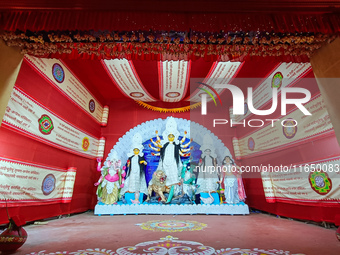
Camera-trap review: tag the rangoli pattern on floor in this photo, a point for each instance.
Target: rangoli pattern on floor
(170, 245)
(173, 225)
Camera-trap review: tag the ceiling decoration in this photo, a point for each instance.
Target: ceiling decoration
(95, 76)
(173, 80)
(174, 77)
(125, 77)
(106, 44)
(153, 45)
(198, 15)
(220, 73)
(169, 110)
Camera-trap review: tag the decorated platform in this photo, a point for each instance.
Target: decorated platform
(173, 173)
(146, 208)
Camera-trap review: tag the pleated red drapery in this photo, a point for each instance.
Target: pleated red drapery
(48, 20)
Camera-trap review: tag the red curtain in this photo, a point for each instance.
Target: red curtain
(132, 21)
(17, 146)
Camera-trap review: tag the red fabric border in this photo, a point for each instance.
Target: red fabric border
(132, 21)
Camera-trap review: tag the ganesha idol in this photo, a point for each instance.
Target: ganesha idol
(111, 181)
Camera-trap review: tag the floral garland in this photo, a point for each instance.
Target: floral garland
(167, 110)
(181, 45)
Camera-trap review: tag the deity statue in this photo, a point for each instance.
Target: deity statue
(135, 176)
(207, 178)
(170, 150)
(157, 184)
(188, 178)
(111, 180)
(231, 179)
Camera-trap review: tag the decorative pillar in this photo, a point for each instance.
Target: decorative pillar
(10, 63)
(105, 116)
(326, 68)
(237, 150)
(101, 148)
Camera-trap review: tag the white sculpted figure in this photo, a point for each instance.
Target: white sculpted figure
(170, 150)
(207, 177)
(135, 173)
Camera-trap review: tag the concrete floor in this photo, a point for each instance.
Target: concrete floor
(263, 231)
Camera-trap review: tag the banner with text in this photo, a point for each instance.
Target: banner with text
(58, 74)
(316, 182)
(29, 117)
(285, 75)
(125, 77)
(220, 73)
(289, 130)
(23, 183)
(173, 79)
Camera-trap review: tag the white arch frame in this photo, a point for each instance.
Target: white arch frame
(147, 130)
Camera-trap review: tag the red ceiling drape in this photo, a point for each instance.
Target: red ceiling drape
(47, 20)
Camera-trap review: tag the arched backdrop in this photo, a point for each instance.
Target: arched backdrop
(147, 130)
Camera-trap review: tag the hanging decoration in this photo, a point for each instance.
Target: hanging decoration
(167, 110)
(269, 138)
(105, 116)
(28, 183)
(306, 183)
(29, 117)
(122, 72)
(283, 75)
(220, 73)
(173, 79)
(167, 46)
(61, 77)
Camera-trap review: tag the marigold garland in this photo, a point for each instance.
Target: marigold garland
(182, 46)
(166, 110)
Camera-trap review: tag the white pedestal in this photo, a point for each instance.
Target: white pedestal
(124, 209)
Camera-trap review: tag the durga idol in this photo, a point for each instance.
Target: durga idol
(170, 150)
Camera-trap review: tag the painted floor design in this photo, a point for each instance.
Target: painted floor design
(170, 245)
(248, 235)
(172, 225)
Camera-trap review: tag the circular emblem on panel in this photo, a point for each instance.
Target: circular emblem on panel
(136, 94)
(45, 124)
(290, 131)
(173, 225)
(92, 106)
(277, 80)
(251, 144)
(48, 184)
(172, 94)
(85, 144)
(58, 73)
(320, 182)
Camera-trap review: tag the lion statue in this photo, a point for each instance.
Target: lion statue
(157, 185)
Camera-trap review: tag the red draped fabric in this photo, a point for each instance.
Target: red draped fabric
(16, 146)
(131, 21)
